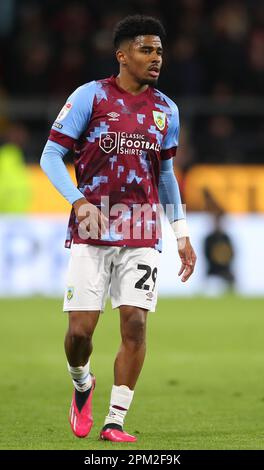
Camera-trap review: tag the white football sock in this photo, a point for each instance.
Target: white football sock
(81, 377)
(121, 397)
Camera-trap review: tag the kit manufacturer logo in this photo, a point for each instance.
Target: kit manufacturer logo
(113, 116)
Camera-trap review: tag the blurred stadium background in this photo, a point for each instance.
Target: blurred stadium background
(214, 70)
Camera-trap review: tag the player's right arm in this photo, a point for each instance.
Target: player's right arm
(67, 128)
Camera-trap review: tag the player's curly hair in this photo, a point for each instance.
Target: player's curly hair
(137, 25)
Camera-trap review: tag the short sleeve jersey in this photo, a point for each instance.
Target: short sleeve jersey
(119, 140)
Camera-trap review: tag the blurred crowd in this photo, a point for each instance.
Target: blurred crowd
(214, 49)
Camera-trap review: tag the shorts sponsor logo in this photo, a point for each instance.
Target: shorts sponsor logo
(63, 113)
(159, 119)
(70, 291)
(108, 141)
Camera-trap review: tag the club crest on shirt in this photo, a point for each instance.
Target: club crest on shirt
(108, 141)
(70, 291)
(159, 119)
(63, 113)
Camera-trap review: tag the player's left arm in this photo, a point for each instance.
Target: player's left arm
(169, 194)
(170, 198)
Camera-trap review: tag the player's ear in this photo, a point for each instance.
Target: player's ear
(121, 57)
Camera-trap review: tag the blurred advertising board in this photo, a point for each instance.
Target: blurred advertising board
(33, 260)
(237, 189)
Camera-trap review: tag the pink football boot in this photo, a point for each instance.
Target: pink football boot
(81, 419)
(115, 433)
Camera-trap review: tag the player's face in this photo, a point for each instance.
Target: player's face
(144, 59)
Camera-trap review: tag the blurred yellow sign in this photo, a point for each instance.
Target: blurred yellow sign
(234, 188)
(45, 197)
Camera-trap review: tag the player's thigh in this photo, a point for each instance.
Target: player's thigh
(134, 278)
(88, 278)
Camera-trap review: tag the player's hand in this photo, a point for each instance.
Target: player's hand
(91, 220)
(188, 258)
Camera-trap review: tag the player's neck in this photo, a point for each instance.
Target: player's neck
(127, 83)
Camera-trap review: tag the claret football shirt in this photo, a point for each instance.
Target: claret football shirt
(118, 140)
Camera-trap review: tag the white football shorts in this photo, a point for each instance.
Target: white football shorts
(131, 274)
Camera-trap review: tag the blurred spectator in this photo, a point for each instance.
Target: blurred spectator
(15, 193)
(255, 76)
(226, 59)
(69, 72)
(184, 75)
(35, 66)
(219, 253)
(192, 17)
(220, 143)
(72, 24)
(103, 63)
(30, 19)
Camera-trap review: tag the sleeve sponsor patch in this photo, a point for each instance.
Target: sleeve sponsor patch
(63, 113)
(58, 125)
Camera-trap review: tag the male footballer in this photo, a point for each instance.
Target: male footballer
(124, 135)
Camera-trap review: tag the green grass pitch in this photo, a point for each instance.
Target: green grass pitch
(202, 385)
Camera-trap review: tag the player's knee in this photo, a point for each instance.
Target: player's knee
(79, 333)
(134, 332)
(80, 330)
